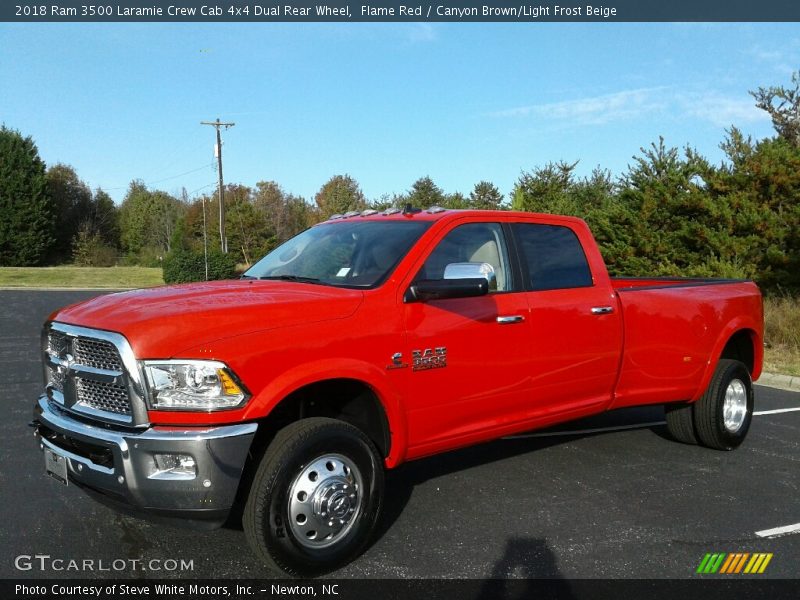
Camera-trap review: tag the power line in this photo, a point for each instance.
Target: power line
(201, 188)
(180, 174)
(147, 183)
(223, 242)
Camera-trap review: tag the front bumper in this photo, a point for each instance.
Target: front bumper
(118, 466)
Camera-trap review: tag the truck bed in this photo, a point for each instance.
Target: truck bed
(673, 331)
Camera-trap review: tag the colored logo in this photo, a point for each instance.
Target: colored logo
(735, 562)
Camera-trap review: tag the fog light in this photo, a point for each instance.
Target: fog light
(173, 466)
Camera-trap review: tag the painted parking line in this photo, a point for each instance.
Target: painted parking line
(776, 411)
(756, 413)
(779, 531)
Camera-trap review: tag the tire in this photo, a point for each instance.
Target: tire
(680, 422)
(723, 414)
(316, 472)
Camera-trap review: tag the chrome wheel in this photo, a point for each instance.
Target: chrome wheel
(325, 500)
(734, 407)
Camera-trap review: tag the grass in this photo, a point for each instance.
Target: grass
(782, 335)
(80, 277)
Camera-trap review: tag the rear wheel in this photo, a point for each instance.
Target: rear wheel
(315, 498)
(723, 414)
(680, 422)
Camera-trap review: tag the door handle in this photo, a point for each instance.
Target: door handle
(508, 319)
(602, 310)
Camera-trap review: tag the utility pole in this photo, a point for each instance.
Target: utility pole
(223, 242)
(205, 238)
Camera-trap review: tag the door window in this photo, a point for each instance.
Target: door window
(473, 242)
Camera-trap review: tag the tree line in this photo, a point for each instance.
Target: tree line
(671, 213)
(50, 216)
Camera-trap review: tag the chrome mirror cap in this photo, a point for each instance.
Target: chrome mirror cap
(472, 270)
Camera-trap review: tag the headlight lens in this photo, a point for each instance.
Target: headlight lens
(192, 385)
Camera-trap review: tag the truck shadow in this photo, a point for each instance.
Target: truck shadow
(400, 482)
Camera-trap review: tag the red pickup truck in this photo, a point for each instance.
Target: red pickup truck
(370, 340)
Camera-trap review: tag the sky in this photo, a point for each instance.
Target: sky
(384, 103)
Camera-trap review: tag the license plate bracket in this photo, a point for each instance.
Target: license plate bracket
(55, 465)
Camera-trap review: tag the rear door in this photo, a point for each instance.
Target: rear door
(575, 325)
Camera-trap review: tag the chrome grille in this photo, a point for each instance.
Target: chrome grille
(85, 373)
(56, 377)
(103, 396)
(57, 343)
(97, 354)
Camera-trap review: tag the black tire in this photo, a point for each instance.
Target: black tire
(680, 422)
(709, 410)
(268, 526)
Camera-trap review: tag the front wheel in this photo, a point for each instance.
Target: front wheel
(723, 414)
(315, 499)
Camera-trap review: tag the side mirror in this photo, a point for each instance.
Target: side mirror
(461, 280)
(472, 270)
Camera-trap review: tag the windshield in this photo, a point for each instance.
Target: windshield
(345, 253)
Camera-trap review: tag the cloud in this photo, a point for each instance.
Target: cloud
(720, 110)
(767, 55)
(595, 110)
(714, 107)
(782, 60)
(421, 32)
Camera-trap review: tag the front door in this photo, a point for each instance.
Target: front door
(468, 357)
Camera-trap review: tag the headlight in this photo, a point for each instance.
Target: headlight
(192, 385)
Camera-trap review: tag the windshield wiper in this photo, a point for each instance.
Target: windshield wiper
(296, 278)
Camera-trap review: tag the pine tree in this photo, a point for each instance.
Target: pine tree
(425, 193)
(26, 211)
(485, 195)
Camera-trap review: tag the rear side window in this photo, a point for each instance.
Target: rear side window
(553, 257)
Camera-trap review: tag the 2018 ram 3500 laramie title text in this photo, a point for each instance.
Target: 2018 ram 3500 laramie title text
(366, 341)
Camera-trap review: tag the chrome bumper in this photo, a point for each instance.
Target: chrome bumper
(118, 466)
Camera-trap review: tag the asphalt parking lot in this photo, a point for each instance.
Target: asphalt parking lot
(619, 503)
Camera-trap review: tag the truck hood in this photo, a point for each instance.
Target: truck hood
(161, 322)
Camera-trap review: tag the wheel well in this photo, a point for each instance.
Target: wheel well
(348, 400)
(740, 347)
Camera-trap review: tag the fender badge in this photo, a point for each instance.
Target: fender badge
(397, 361)
(430, 358)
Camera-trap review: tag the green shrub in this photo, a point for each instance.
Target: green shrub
(89, 250)
(147, 256)
(183, 266)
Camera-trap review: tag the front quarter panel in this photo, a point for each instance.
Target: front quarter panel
(273, 364)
